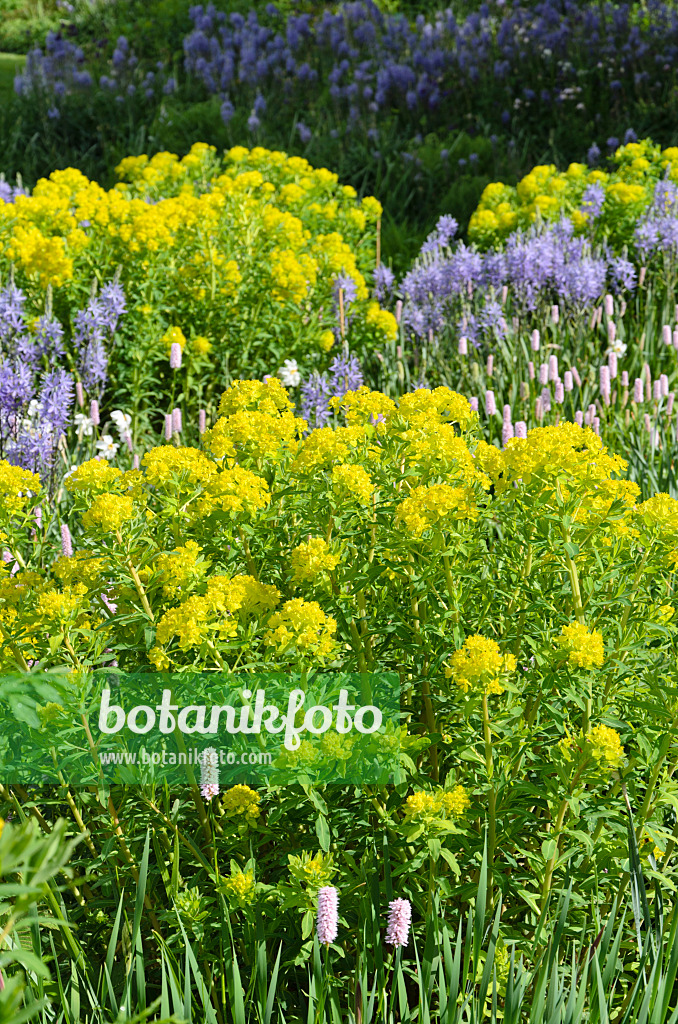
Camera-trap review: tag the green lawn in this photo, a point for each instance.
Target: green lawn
(10, 63)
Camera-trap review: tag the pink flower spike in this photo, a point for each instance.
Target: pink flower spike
(609, 305)
(463, 346)
(168, 426)
(490, 404)
(535, 341)
(577, 378)
(567, 380)
(490, 365)
(560, 393)
(521, 429)
(473, 402)
(666, 334)
(94, 412)
(327, 924)
(579, 417)
(555, 314)
(79, 394)
(638, 390)
(175, 356)
(66, 542)
(641, 276)
(670, 398)
(399, 918)
(543, 374)
(530, 370)
(399, 310)
(504, 294)
(625, 378)
(135, 462)
(553, 368)
(611, 332)
(202, 421)
(176, 421)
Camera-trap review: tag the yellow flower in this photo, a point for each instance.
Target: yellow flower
(93, 477)
(302, 625)
(16, 485)
(240, 887)
(584, 647)
(425, 805)
(606, 745)
(241, 802)
(173, 335)
(201, 346)
(326, 340)
(435, 506)
(108, 512)
(352, 483)
(61, 606)
(480, 664)
(661, 512)
(182, 468)
(311, 559)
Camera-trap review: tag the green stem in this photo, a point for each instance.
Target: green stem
(491, 801)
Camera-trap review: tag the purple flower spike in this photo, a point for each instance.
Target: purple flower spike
(399, 918)
(328, 914)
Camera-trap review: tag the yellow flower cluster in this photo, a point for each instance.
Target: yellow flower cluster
(660, 513)
(311, 559)
(302, 625)
(584, 647)
(93, 477)
(214, 614)
(424, 805)
(240, 887)
(16, 487)
(479, 664)
(182, 568)
(548, 194)
(242, 802)
(61, 606)
(436, 506)
(606, 745)
(256, 230)
(108, 512)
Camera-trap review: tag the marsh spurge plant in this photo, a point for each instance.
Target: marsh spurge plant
(525, 598)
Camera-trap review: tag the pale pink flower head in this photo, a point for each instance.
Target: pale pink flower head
(175, 356)
(399, 918)
(66, 542)
(328, 914)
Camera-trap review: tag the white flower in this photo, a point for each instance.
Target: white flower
(618, 347)
(107, 446)
(70, 472)
(33, 409)
(84, 425)
(289, 373)
(121, 421)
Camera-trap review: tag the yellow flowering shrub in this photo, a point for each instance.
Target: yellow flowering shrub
(546, 193)
(239, 256)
